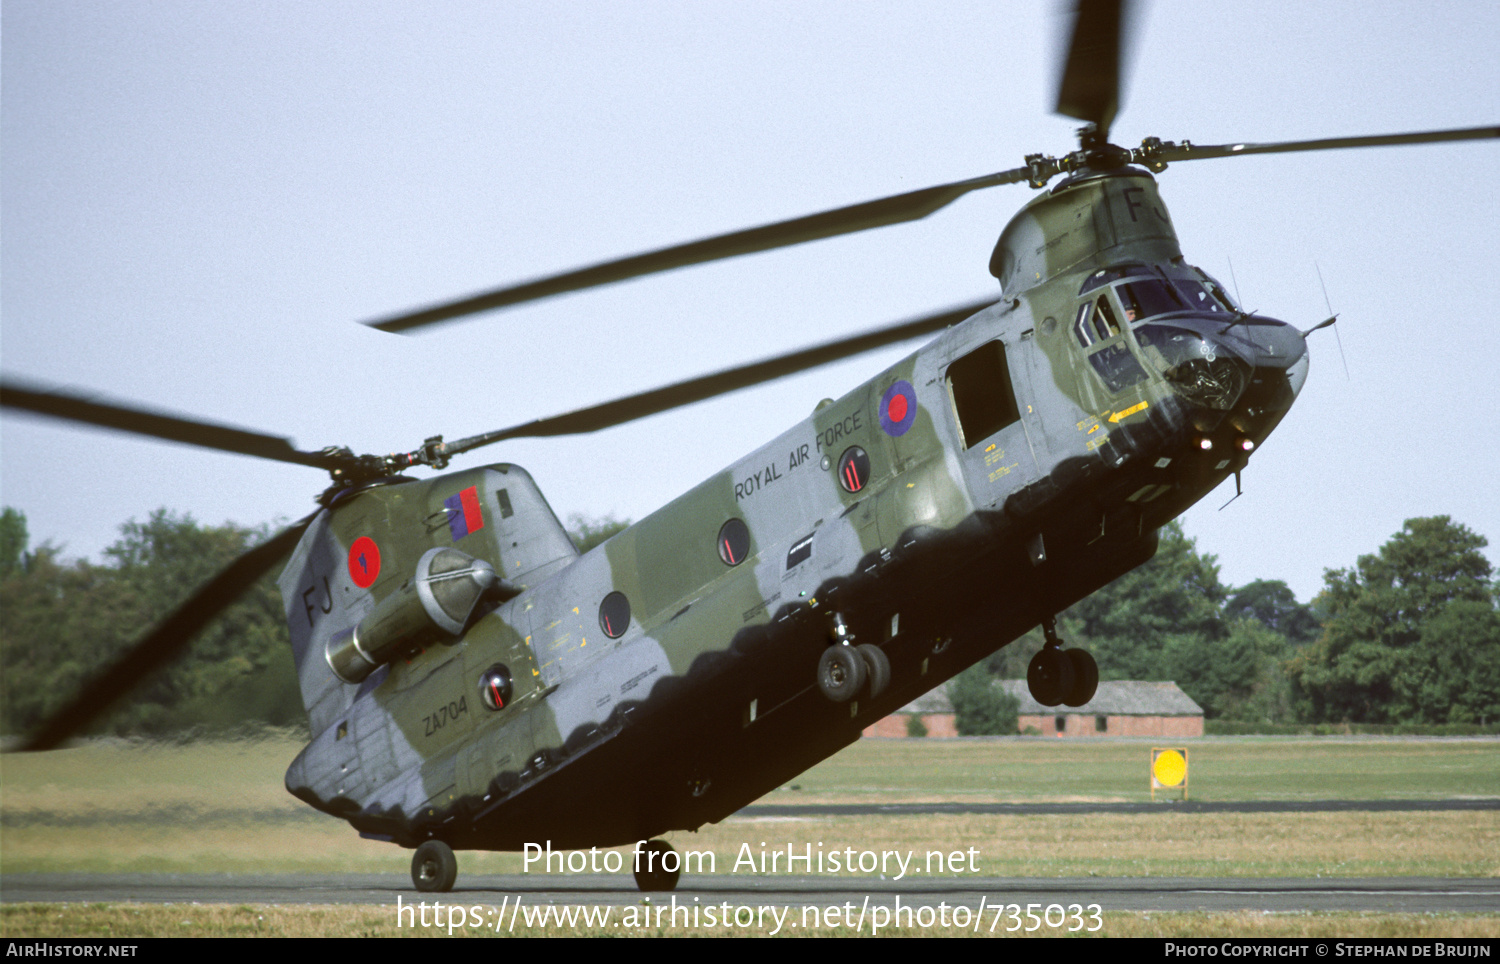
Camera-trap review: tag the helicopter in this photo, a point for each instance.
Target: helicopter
(861, 437)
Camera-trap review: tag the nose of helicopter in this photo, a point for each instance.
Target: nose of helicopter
(1252, 366)
(1278, 353)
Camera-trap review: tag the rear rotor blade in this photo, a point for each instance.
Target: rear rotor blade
(911, 206)
(1090, 86)
(1194, 152)
(74, 408)
(167, 641)
(629, 408)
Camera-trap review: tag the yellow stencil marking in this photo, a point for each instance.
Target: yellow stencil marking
(1137, 407)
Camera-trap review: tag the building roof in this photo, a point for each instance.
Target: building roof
(1118, 698)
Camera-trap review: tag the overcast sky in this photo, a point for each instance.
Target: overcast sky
(201, 200)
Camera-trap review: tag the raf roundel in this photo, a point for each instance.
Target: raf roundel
(364, 562)
(898, 408)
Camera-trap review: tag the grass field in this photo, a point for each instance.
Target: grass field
(220, 807)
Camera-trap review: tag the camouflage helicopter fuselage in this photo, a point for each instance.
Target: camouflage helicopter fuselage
(1020, 461)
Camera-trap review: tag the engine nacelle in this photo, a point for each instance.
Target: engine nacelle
(437, 602)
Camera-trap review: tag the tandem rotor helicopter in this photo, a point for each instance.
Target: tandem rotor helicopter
(472, 682)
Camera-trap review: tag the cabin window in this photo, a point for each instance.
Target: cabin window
(854, 469)
(800, 552)
(983, 398)
(614, 615)
(495, 687)
(734, 542)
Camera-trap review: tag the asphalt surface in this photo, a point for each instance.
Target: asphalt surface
(1385, 894)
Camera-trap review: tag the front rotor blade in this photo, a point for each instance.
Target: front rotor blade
(632, 407)
(75, 408)
(1090, 86)
(167, 641)
(911, 206)
(1194, 152)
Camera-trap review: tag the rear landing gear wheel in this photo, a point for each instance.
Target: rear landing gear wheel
(878, 665)
(1050, 676)
(1085, 677)
(434, 868)
(841, 673)
(657, 867)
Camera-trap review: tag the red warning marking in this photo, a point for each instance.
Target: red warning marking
(364, 562)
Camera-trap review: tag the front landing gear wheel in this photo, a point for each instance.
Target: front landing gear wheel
(657, 867)
(434, 868)
(841, 673)
(1085, 677)
(1049, 676)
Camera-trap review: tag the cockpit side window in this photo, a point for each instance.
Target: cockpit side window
(1097, 328)
(1217, 290)
(1081, 327)
(1104, 319)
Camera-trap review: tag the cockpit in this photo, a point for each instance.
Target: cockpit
(1115, 304)
(1142, 292)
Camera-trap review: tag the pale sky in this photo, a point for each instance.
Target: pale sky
(201, 200)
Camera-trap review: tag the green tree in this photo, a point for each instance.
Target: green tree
(12, 542)
(1464, 672)
(1411, 634)
(1172, 603)
(980, 707)
(1272, 603)
(588, 531)
(65, 623)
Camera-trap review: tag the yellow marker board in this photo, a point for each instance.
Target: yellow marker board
(1169, 770)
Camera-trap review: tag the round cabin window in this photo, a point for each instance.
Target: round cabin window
(614, 615)
(734, 542)
(495, 687)
(854, 469)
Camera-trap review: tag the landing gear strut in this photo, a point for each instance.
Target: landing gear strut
(1058, 676)
(846, 669)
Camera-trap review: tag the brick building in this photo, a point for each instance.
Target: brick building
(1123, 708)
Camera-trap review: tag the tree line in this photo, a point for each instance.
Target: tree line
(1408, 635)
